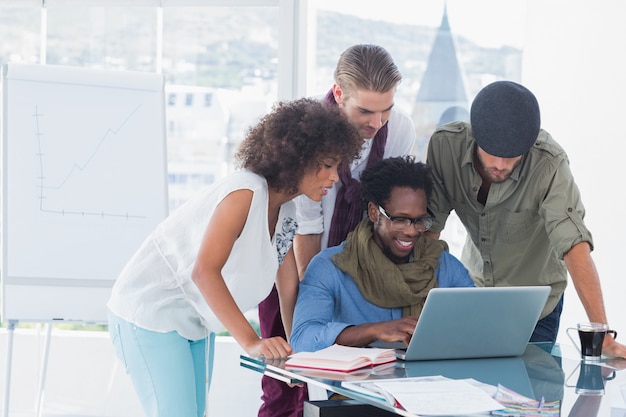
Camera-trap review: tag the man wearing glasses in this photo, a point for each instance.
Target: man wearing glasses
(366, 80)
(372, 287)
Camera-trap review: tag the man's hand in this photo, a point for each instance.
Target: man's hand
(613, 349)
(397, 330)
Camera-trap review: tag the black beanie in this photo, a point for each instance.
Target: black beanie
(505, 119)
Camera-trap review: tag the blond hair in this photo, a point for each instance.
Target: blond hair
(366, 67)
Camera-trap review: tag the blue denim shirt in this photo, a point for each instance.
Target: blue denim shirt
(329, 300)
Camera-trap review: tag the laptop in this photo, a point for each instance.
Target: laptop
(480, 322)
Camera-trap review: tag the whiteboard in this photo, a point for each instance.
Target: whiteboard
(84, 181)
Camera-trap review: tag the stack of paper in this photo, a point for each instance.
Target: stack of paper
(440, 396)
(433, 396)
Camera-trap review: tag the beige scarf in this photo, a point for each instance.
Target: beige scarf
(383, 282)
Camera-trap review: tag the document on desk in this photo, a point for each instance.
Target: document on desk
(431, 396)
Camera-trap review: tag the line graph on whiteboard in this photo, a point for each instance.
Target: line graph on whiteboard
(84, 183)
(84, 170)
(78, 178)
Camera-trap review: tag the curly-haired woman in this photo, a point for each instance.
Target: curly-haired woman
(219, 255)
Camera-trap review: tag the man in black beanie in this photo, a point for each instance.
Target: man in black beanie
(511, 186)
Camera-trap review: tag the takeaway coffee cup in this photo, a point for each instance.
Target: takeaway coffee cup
(591, 336)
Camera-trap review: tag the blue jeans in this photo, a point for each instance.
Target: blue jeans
(547, 328)
(169, 372)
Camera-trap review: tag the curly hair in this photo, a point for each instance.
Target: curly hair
(366, 67)
(294, 138)
(379, 179)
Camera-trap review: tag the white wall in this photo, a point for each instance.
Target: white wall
(84, 378)
(574, 63)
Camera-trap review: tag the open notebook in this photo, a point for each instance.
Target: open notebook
(483, 322)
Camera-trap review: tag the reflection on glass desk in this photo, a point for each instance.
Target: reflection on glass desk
(584, 389)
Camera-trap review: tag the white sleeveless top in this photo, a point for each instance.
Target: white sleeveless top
(155, 290)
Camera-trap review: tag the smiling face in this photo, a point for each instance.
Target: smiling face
(403, 202)
(318, 180)
(366, 110)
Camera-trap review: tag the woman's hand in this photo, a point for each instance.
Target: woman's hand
(271, 348)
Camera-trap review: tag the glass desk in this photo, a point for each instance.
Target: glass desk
(585, 390)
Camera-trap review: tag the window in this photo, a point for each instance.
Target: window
(107, 37)
(20, 29)
(224, 58)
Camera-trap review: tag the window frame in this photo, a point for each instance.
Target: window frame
(294, 21)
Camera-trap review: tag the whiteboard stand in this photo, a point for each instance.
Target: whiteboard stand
(42, 371)
(7, 378)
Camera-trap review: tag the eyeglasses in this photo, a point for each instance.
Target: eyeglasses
(400, 224)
